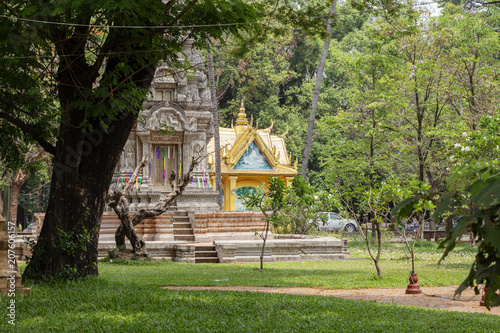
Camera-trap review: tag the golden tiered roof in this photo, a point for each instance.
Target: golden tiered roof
(235, 142)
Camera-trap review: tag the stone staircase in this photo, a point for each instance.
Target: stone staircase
(205, 253)
(183, 231)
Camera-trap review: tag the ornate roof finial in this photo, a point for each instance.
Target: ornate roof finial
(242, 116)
(284, 134)
(270, 127)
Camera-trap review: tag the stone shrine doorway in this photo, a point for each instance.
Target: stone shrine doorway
(166, 158)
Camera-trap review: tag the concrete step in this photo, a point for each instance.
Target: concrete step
(183, 231)
(205, 254)
(205, 248)
(182, 219)
(180, 213)
(182, 225)
(188, 238)
(206, 260)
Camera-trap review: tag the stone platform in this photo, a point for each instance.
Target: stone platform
(176, 235)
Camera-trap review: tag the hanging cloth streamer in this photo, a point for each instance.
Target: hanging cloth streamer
(204, 179)
(180, 163)
(164, 163)
(197, 179)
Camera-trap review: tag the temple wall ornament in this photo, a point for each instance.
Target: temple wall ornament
(170, 130)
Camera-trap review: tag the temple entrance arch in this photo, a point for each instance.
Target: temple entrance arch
(166, 160)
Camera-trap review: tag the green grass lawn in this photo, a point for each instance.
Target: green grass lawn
(127, 298)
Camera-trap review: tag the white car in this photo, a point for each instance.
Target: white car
(335, 222)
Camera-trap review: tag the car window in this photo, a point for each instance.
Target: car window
(334, 215)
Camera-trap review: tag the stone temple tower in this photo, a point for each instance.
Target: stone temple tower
(180, 103)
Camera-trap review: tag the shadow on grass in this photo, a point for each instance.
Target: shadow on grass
(101, 305)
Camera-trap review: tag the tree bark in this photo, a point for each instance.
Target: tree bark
(215, 114)
(379, 249)
(36, 154)
(76, 201)
(317, 89)
(83, 166)
(118, 201)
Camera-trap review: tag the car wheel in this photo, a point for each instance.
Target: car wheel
(350, 228)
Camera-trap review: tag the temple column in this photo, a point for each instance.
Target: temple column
(146, 172)
(212, 181)
(187, 153)
(232, 193)
(288, 181)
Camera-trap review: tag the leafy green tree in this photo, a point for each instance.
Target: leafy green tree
(473, 48)
(408, 101)
(305, 210)
(96, 59)
(269, 201)
(476, 176)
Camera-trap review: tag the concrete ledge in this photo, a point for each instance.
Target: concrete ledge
(156, 249)
(320, 248)
(184, 253)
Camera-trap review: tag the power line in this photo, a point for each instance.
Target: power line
(223, 46)
(101, 26)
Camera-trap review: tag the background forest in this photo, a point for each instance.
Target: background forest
(405, 100)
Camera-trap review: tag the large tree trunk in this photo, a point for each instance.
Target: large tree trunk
(317, 89)
(215, 114)
(77, 201)
(83, 166)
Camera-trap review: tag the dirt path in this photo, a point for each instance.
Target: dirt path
(443, 301)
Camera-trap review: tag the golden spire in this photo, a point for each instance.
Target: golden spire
(241, 121)
(242, 116)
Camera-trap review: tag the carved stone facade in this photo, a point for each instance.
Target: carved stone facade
(174, 126)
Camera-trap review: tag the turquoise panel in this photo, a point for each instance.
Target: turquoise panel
(253, 159)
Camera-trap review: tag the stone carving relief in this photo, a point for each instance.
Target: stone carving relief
(197, 149)
(210, 130)
(129, 156)
(196, 59)
(163, 75)
(205, 95)
(194, 92)
(170, 116)
(157, 136)
(172, 120)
